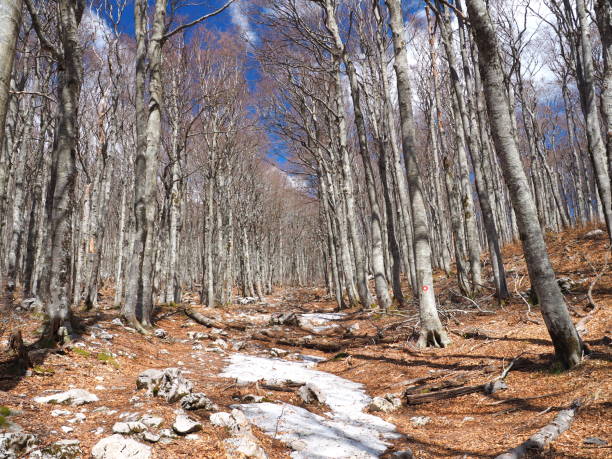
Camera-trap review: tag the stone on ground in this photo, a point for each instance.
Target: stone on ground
(74, 397)
(119, 447)
(15, 444)
(197, 401)
(184, 425)
(169, 383)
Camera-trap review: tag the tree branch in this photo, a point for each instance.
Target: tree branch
(197, 21)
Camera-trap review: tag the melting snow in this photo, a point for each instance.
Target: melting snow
(345, 432)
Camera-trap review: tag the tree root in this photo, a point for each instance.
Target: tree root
(543, 437)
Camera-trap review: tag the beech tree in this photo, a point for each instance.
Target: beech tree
(568, 346)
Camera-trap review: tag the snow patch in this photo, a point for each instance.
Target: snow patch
(344, 432)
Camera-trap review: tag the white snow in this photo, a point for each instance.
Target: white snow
(345, 432)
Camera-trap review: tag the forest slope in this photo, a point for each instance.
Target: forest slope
(376, 350)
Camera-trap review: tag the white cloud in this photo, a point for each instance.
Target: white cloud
(241, 21)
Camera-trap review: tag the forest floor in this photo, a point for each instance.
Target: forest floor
(373, 349)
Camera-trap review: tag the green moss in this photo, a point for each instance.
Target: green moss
(108, 358)
(340, 355)
(81, 352)
(3, 421)
(5, 411)
(40, 370)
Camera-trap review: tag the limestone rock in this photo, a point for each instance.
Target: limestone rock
(160, 333)
(310, 393)
(169, 383)
(405, 454)
(129, 427)
(285, 318)
(381, 404)
(152, 421)
(197, 401)
(244, 447)
(119, 447)
(15, 444)
(151, 437)
(74, 397)
(197, 336)
(420, 420)
(63, 449)
(184, 425)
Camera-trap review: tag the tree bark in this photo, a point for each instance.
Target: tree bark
(566, 341)
(432, 333)
(10, 22)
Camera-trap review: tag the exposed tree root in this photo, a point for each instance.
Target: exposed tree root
(543, 437)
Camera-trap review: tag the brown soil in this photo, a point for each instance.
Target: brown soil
(380, 355)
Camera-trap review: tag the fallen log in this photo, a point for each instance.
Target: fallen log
(487, 388)
(490, 387)
(211, 323)
(456, 381)
(300, 342)
(547, 434)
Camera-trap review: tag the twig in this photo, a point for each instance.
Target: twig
(581, 325)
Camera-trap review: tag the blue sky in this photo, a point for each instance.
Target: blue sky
(221, 22)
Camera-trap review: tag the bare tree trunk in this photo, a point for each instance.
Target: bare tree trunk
(63, 171)
(432, 333)
(120, 251)
(591, 114)
(603, 8)
(566, 341)
(462, 131)
(10, 21)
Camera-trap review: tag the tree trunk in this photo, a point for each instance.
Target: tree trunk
(432, 333)
(10, 21)
(63, 171)
(591, 114)
(568, 346)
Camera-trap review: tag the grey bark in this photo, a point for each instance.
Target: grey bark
(10, 21)
(566, 341)
(432, 333)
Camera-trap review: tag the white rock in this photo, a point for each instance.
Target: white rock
(15, 444)
(169, 383)
(67, 429)
(72, 397)
(152, 421)
(244, 446)
(160, 333)
(420, 420)
(151, 437)
(129, 427)
(310, 393)
(197, 401)
(63, 449)
(118, 447)
(381, 404)
(79, 417)
(192, 437)
(221, 419)
(197, 336)
(56, 413)
(184, 425)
